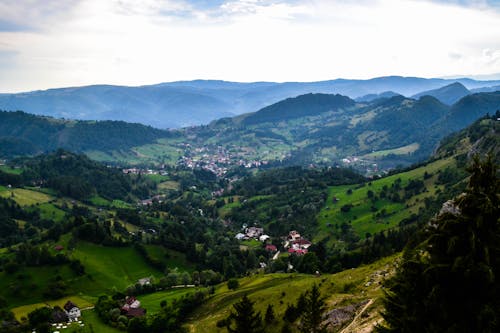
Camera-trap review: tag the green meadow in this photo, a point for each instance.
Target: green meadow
(367, 216)
(26, 197)
(280, 290)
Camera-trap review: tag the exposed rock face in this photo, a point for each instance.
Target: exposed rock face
(338, 317)
(450, 207)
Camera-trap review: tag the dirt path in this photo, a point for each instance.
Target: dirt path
(347, 329)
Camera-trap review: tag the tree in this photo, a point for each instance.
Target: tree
(311, 318)
(452, 282)
(269, 316)
(244, 317)
(233, 284)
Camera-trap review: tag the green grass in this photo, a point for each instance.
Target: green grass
(111, 267)
(151, 302)
(99, 201)
(396, 151)
(28, 284)
(22, 311)
(3, 188)
(157, 178)
(50, 212)
(26, 197)
(283, 289)
(168, 185)
(362, 219)
(172, 259)
(93, 324)
(120, 204)
(8, 169)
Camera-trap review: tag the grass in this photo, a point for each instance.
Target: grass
(169, 185)
(22, 311)
(99, 201)
(279, 290)
(396, 151)
(361, 217)
(111, 267)
(7, 169)
(93, 324)
(50, 212)
(27, 285)
(26, 197)
(151, 302)
(172, 259)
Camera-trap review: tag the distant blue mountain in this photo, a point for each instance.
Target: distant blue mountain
(186, 103)
(448, 94)
(373, 97)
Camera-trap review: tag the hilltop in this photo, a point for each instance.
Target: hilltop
(188, 103)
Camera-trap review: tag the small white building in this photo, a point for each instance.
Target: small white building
(263, 238)
(72, 310)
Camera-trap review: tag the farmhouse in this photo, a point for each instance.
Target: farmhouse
(132, 307)
(72, 310)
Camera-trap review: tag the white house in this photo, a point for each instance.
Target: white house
(72, 310)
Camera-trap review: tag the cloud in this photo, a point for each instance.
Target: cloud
(138, 42)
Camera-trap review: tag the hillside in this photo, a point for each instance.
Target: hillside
(26, 134)
(188, 103)
(96, 247)
(449, 94)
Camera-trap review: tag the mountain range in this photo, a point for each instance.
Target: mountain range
(187, 103)
(310, 128)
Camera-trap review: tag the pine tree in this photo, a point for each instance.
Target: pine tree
(312, 313)
(453, 283)
(244, 317)
(269, 316)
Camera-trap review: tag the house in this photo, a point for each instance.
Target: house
(302, 243)
(263, 238)
(254, 232)
(293, 235)
(131, 303)
(132, 307)
(58, 247)
(144, 281)
(271, 248)
(135, 312)
(240, 236)
(298, 252)
(72, 310)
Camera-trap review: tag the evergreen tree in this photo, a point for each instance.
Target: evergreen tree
(270, 316)
(244, 317)
(452, 284)
(312, 314)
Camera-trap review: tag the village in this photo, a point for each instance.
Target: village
(293, 243)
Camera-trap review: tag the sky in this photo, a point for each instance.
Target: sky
(52, 43)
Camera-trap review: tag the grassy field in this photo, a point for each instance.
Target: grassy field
(26, 197)
(396, 151)
(173, 260)
(8, 169)
(340, 289)
(28, 285)
(50, 212)
(151, 302)
(110, 267)
(361, 216)
(22, 311)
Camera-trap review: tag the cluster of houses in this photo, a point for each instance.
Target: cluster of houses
(137, 171)
(294, 243)
(252, 233)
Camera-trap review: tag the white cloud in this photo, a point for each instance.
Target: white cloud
(139, 42)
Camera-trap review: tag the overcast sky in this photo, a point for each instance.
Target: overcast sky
(53, 43)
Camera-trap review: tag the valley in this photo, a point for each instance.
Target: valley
(201, 216)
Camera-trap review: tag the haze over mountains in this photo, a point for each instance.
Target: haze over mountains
(187, 103)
